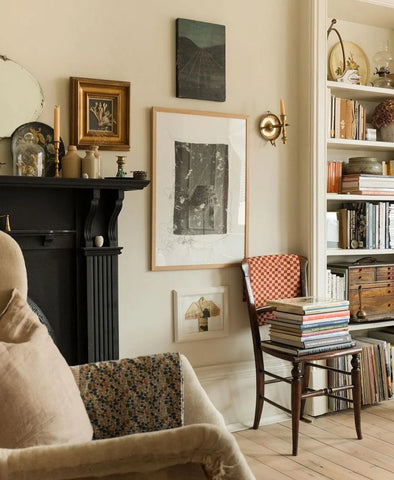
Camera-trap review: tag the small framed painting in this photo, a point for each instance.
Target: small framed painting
(200, 60)
(201, 314)
(100, 113)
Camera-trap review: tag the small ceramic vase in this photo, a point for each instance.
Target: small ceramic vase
(71, 163)
(95, 149)
(90, 165)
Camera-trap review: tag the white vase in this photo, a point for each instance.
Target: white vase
(90, 165)
(386, 134)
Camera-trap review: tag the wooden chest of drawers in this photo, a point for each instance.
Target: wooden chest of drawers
(369, 288)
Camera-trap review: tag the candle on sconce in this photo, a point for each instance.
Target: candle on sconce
(282, 107)
(56, 125)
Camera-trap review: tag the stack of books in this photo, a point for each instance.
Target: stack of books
(307, 325)
(366, 184)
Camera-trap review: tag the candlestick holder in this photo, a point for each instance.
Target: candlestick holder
(7, 227)
(57, 148)
(271, 126)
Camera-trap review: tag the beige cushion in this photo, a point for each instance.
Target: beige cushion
(40, 403)
(13, 270)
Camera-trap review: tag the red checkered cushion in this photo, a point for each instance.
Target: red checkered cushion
(273, 277)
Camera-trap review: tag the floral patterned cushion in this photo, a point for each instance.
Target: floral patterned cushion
(137, 395)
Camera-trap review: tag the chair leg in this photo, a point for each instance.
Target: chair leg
(260, 386)
(296, 391)
(356, 381)
(305, 385)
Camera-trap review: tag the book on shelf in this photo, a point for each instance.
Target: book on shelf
(366, 224)
(314, 317)
(309, 333)
(368, 180)
(308, 305)
(311, 343)
(334, 176)
(309, 326)
(307, 351)
(347, 118)
(375, 370)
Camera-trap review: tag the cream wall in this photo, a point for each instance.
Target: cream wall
(134, 40)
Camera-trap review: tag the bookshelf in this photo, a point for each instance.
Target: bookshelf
(366, 23)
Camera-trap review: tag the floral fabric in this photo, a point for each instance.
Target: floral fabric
(137, 395)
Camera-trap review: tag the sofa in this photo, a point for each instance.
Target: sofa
(142, 418)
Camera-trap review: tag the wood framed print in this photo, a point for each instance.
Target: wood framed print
(99, 113)
(201, 314)
(200, 60)
(199, 189)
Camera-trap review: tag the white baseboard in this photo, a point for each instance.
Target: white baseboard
(232, 389)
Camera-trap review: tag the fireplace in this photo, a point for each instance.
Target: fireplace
(73, 281)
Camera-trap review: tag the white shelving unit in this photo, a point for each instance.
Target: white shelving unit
(366, 23)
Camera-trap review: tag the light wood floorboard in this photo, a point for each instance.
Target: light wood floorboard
(328, 447)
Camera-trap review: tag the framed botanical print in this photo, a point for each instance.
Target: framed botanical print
(100, 113)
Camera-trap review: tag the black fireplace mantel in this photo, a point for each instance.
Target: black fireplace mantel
(73, 281)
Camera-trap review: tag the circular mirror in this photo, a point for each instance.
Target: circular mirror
(21, 97)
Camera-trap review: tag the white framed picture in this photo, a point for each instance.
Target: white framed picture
(200, 314)
(199, 189)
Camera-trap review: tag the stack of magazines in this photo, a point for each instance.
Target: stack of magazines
(307, 325)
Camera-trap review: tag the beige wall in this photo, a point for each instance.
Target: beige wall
(134, 40)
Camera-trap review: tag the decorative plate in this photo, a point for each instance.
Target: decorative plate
(43, 135)
(355, 59)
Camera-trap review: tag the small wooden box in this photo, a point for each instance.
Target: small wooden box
(369, 288)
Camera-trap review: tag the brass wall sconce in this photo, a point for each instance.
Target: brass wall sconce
(271, 126)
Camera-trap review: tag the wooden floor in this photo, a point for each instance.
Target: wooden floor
(328, 447)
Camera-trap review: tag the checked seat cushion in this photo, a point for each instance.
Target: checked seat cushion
(273, 277)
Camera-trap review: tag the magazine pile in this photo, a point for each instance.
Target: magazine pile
(307, 325)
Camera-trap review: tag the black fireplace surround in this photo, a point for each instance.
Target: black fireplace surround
(75, 283)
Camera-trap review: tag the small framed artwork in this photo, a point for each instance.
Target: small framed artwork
(199, 194)
(201, 314)
(200, 60)
(100, 113)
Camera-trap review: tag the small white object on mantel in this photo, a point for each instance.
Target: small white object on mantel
(99, 241)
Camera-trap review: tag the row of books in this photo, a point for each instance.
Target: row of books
(377, 367)
(306, 325)
(347, 119)
(336, 285)
(367, 225)
(334, 176)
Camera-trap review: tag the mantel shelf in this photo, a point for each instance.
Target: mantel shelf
(125, 184)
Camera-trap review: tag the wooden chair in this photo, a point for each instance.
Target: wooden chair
(285, 276)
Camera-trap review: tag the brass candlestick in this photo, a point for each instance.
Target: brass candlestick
(57, 147)
(7, 227)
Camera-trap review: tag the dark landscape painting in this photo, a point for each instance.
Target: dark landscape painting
(200, 60)
(201, 188)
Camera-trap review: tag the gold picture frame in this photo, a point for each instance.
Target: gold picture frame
(100, 113)
(199, 189)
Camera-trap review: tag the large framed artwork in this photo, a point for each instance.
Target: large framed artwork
(100, 113)
(199, 189)
(201, 314)
(200, 60)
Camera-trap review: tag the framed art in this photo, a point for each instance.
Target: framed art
(199, 189)
(200, 60)
(200, 314)
(100, 113)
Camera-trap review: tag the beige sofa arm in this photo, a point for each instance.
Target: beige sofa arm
(198, 408)
(136, 456)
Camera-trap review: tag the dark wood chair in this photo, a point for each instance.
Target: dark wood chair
(285, 276)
